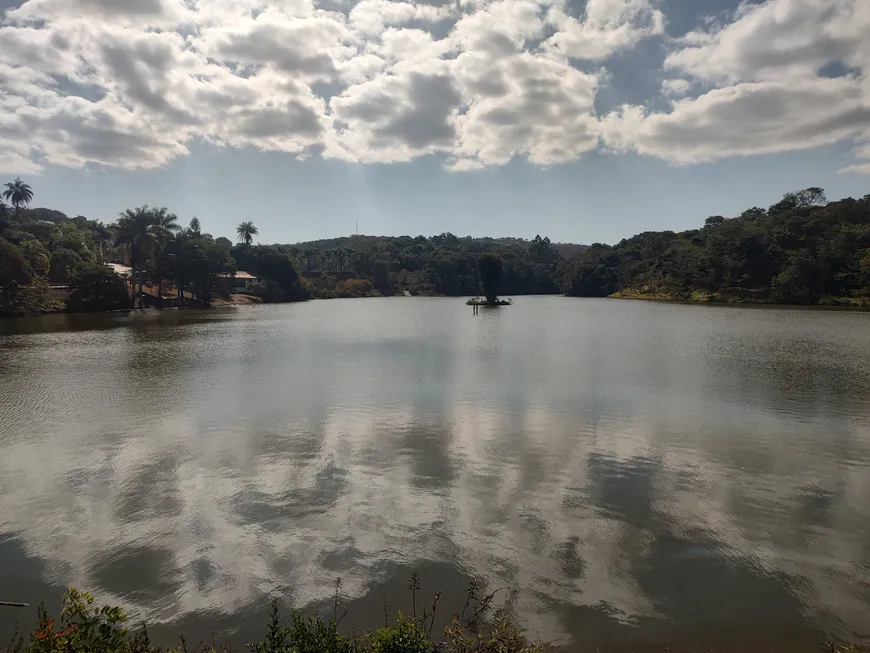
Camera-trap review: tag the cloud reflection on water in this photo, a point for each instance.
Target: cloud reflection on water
(663, 468)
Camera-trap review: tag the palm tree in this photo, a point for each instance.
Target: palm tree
(163, 231)
(164, 225)
(246, 232)
(132, 230)
(143, 230)
(194, 227)
(18, 193)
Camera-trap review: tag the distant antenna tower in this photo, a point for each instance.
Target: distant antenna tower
(357, 227)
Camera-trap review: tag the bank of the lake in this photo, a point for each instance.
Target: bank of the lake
(744, 298)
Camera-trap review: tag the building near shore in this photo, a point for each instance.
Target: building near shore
(241, 280)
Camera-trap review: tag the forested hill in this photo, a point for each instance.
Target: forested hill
(801, 250)
(566, 250)
(441, 265)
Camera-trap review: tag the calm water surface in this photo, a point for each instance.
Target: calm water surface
(643, 475)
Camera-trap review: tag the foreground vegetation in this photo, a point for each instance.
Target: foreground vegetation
(85, 627)
(801, 250)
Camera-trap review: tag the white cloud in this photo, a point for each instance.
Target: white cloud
(609, 26)
(676, 87)
(476, 81)
(750, 118)
(528, 104)
(135, 13)
(769, 92)
(397, 117)
(305, 48)
(369, 18)
(779, 39)
(501, 28)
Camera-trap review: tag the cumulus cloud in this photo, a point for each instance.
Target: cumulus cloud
(478, 82)
(609, 26)
(778, 39)
(748, 118)
(769, 92)
(676, 87)
(532, 104)
(397, 117)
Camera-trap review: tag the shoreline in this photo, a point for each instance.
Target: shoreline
(858, 304)
(721, 299)
(117, 631)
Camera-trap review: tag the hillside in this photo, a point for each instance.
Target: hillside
(439, 265)
(801, 250)
(565, 250)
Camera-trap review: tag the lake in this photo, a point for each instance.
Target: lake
(641, 475)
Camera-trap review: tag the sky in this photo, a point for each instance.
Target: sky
(582, 120)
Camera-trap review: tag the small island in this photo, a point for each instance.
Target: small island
(490, 269)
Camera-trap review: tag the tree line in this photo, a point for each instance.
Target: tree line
(801, 250)
(438, 265)
(53, 262)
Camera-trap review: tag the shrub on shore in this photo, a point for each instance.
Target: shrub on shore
(86, 627)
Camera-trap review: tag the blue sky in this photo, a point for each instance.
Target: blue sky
(581, 121)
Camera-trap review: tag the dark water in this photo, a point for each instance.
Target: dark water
(644, 475)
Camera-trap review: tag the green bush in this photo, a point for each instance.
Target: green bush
(407, 636)
(85, 627)
(96, 288)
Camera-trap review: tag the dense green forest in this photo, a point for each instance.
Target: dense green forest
(801, 250)
(438, 265)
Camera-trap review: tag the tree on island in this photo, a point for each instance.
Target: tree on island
(246, 232)
(490, 269)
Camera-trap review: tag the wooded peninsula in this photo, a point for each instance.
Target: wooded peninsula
(801, 250)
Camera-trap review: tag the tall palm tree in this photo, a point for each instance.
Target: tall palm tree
(132, 230)
(163, 225)
(142, 230)
(246, 232)
(194, 227)
(163, 231)
(18, 193)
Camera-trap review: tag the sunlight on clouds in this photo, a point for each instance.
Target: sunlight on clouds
(478, 82)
